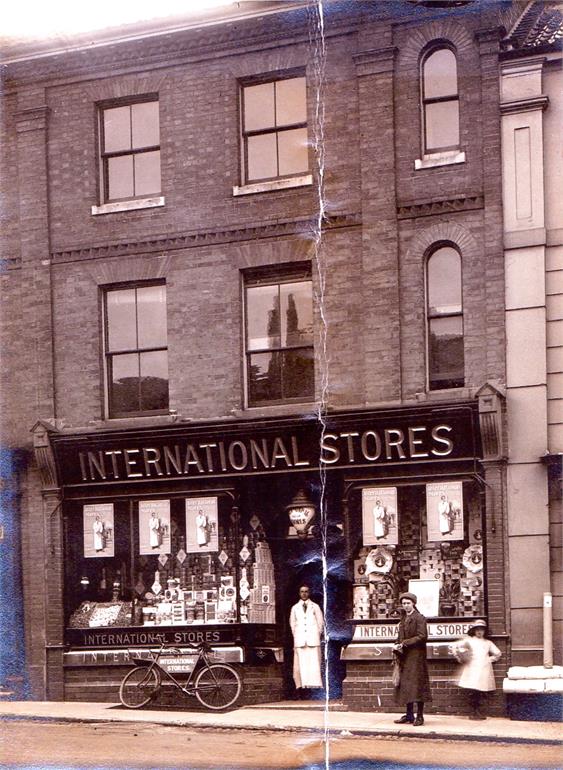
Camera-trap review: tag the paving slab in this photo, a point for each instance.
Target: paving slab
(292, 717)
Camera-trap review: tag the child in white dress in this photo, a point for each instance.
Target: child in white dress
(477, 654)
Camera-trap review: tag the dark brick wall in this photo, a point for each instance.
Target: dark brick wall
(261, 684)
(368, 687)
(373, 263)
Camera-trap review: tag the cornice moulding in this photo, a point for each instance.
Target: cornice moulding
(445, 206)
(301, 227)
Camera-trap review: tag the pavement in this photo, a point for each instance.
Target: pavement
(292, 716)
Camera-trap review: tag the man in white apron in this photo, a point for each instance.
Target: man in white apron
(306, 621)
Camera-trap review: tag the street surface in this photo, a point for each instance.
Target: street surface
(58, 746)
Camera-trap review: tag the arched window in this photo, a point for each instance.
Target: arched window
(445, 319)
(440, 101)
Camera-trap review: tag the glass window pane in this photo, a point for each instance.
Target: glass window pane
(264, 381)
(261, 157)
(258, 107)
(442, 125)
(120, 177)
(291, 104)
(117, 129)
(154, 380)
(298, 373)
(293, 151)
(121, 321)
(296, 313)
(147, 173)
(262, 317)
(446, 352)
(124, 389)
(145, 124)
(440, 74)
(444, 281)
(151, 314)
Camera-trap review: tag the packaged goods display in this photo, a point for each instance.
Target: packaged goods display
(232, 583)
(381, 573)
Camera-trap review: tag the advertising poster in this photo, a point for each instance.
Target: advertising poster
(380, 517)
(154, 526)
(428, 594)
(202, 525)
(98, 530)
(444, 511)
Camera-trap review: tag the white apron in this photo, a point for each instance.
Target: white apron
(307, 666)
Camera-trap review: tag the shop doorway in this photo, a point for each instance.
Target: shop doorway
(304, 567)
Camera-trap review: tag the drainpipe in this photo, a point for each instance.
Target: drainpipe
(547, 630)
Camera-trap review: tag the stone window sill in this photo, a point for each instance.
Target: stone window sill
(138, 203)
(274, 184)
(440, 159)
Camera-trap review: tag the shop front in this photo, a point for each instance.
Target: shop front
(203, 532)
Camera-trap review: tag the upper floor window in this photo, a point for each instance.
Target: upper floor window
(136, 352)
(274, 129)
(445, 319)
(279, 340)
(440, 101)
(130, 150)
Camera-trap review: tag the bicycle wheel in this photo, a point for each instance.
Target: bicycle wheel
(138, 686)
(218, 686)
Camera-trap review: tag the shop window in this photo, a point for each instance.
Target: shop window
(136, 353)
(440, 101)
(427, 538)
(130, 150)
(444, 319)
(279, 341)
(166, 563)
(274, 129)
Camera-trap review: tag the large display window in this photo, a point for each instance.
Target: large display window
(427, 538)
(177, 561)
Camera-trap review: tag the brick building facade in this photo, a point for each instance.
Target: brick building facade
(366, 381)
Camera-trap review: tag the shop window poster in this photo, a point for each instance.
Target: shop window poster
(98, 530)
(380, 516)
(444, 511)
(427, 593)
(202, 525)
(154, 527)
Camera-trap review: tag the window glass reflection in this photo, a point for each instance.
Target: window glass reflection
(263, 317)
(145, 127)
(296, 314)
(446, 356)
(293, 154)
(442, 125)
(291, 106)
(280, 320)
(444, 281)
(440, 74)
(117, 129)
(121, 319)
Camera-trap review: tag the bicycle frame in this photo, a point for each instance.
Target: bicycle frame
(187, 688)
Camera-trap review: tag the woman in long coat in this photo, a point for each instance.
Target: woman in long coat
(414, 684)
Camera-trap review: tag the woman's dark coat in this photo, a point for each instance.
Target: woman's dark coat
(414, 684)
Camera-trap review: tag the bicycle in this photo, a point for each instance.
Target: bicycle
(217, 686)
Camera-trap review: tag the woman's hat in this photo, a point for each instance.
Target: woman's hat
(408, 595)
(477, 624)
